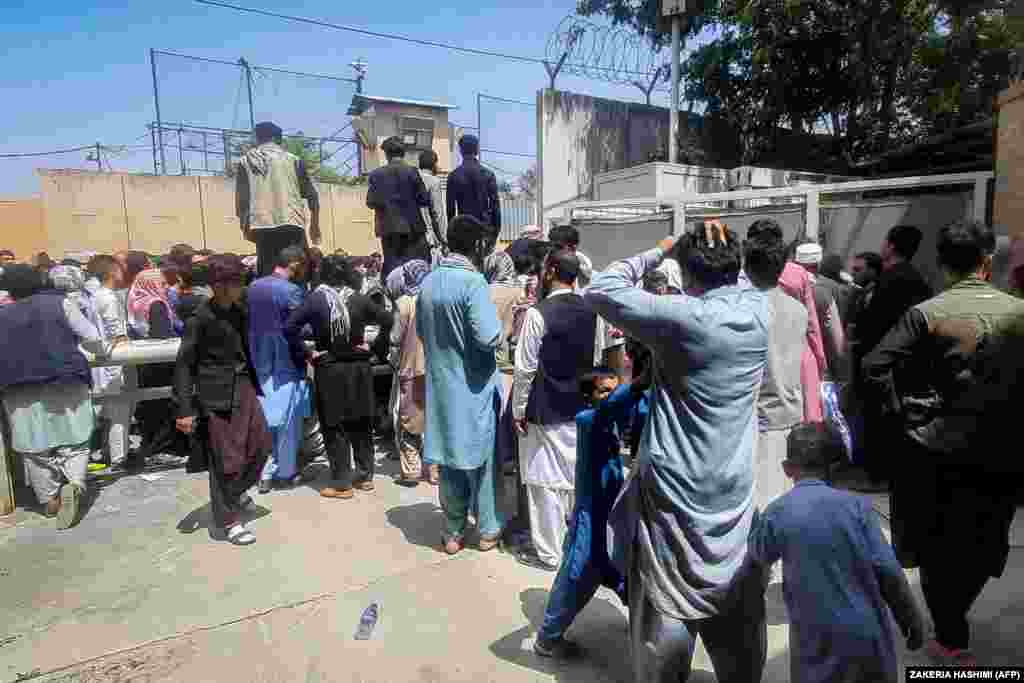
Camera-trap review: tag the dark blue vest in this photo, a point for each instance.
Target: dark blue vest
(38, 344)
(566, 352)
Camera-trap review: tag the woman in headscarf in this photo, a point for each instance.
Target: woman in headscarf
(150, 314)
(798, 283)
(45, 381)
(406, 357)
(338, 314)
(71, 280)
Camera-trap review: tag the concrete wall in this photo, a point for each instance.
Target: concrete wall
(1008, 208)
(107, 212)
(22, 229)
(381, 122)
(581, 136)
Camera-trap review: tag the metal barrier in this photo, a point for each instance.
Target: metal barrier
(129, 356)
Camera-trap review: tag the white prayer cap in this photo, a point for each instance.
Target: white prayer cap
(808, 254)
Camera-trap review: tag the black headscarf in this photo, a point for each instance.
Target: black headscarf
(22, 281)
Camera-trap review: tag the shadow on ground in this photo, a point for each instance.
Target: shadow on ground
(202, 518)
(602, 630)
(421, 523)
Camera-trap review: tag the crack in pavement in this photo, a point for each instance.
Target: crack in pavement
(323, 597)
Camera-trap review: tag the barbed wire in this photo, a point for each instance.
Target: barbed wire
(607, 53)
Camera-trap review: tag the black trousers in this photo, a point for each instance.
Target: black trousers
(399, 248)
(347, 441)
(270, 242)
(949, 590)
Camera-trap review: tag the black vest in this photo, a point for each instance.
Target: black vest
(566, 352)
(38, 344)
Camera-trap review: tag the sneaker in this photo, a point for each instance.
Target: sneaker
(530, 559)
(557, 649)
(265, 486)
(453, 546)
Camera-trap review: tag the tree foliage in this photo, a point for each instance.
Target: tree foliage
(873, 73)
(309, 152)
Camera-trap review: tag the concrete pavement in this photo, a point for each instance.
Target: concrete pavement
(139, 592)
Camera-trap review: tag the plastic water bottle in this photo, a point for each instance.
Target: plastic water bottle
(367, 622)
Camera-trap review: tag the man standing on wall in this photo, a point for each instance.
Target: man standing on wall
(436, 238)
(472, 189)
(271, 185)
(397, 193)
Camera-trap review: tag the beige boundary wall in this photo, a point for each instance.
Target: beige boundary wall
(22, 229)
(106, 212)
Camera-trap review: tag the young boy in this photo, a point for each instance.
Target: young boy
(599, 477)
(108, 277)
(216, 395)
(838, 572)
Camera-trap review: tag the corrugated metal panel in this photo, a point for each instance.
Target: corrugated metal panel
(517, 212)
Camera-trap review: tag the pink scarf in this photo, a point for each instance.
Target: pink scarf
(797, 283)
(149, 287)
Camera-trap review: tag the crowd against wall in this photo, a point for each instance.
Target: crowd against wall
(741, 374)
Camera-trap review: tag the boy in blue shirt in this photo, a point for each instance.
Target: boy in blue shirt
(586, 565)
(838, 572)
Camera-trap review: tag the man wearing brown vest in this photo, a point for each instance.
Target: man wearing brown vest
(272, 189)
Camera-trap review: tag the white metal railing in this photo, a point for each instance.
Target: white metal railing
(128, 355)
(811, 195)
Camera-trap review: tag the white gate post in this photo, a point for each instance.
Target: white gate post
(812, 210)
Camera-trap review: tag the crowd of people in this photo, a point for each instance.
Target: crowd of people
(741, 374)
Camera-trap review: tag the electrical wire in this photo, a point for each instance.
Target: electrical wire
(271, 69)
(407, 39)
(509, 154)
(24, 155)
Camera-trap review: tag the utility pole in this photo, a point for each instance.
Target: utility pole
(673, 128)
(360, 68)
(152, 133)
(479, 128)
(99, 160)
(248, 83)
(159, 121)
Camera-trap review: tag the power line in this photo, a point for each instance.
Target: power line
(502, 99)
(255, 68)
(509, 154)
(23, 155)
(392, 36)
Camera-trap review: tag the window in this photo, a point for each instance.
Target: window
(416, 133)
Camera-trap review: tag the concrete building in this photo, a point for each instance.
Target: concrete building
(421, 125)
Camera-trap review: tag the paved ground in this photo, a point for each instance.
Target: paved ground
(139, 592)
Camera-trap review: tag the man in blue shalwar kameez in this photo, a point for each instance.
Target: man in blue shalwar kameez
(586, 565)
(838, 572)
(285, 393)
(681, 526)
(459, 327)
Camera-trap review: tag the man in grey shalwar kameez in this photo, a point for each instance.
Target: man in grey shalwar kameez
(682, 523)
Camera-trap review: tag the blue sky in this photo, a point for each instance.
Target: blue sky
(76, 73)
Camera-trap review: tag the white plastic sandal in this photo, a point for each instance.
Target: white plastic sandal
(239, 535)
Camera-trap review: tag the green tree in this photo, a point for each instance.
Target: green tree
(309, 152)
(875, 73)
